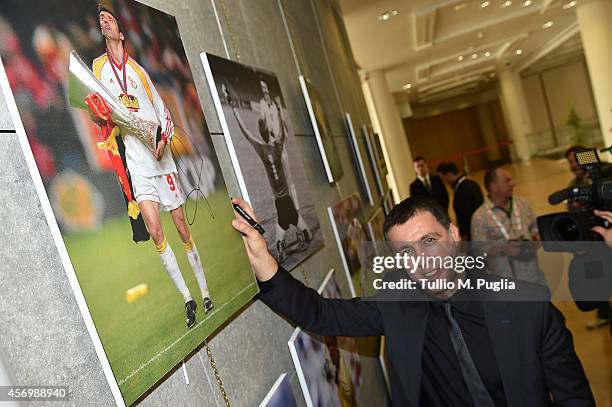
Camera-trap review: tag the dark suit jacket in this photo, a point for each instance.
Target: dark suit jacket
(468, 197)
(534, 350)
(438, 190)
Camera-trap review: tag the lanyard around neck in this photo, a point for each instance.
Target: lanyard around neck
(513, 214)
(123, 84)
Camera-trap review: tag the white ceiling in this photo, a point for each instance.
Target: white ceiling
(449, 47)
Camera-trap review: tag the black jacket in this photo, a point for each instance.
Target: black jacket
(468, 197)
(438, 190)
(534, 350)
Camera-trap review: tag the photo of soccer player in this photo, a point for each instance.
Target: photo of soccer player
(154, 182)
(266, 158)
(104, 101)
(348, 225)
(329, 369)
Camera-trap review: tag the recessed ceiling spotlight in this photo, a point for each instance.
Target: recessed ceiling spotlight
(547, 24)
(527, 3)
(492, 75)
(518, 51)
(485, 4)
(407, 86)
(474, 56)
(460, 58)
(480, 35)
(569, 5)
(460, 6)
(487, 54)
(506, 3)
(387, 15)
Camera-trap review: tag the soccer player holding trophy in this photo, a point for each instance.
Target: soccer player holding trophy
(137, 128)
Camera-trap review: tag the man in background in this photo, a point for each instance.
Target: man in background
(504, 217)
(467, 196)
(428, 185)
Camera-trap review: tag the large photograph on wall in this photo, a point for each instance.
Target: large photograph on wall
(124, 165)
(265, 156)
(329, 368)
(322, 130)
(349, 227)
(359, 160)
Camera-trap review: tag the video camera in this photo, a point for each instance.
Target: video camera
(576, 226)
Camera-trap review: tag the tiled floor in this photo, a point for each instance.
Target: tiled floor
(535, 181)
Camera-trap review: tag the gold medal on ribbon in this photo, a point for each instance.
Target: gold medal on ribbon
(129, 101)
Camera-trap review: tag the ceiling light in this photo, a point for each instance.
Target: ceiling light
(460, 58)
(484, 4)
(474, 56)
(480, 35)
(487, 54)
(527, 3)
(518, 51)
(460, 6)
(492, 75)
(569, 5)
(407, 86)
(506, 3)
(387, 15)
(547, 24)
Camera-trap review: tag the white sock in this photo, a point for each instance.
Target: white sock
(196, 265)
(172, 268)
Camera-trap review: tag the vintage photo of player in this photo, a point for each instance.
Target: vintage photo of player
(141, 220)
(267, 157)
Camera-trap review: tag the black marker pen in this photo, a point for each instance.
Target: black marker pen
(248, 218)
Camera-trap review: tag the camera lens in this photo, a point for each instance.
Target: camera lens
(566, 229)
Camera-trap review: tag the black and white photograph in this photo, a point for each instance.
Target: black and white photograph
(265, 156)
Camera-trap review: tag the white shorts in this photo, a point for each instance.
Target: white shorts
(163, 189)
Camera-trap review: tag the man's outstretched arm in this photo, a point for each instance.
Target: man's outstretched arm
(302, 305)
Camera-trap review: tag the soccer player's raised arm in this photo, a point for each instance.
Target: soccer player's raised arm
(243, 128)
(304, 306)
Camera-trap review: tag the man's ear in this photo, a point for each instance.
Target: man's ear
(454, 233)
(121, 36)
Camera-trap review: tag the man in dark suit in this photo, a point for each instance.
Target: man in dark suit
(446, 351)
(467, 196)
(428, 184)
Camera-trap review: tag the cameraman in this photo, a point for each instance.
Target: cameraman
(582, 178)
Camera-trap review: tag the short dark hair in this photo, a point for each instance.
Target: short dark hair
(104, 7)
(418, 158)
(575, 149)
(409, 207)
(490, 176)
(448, 166)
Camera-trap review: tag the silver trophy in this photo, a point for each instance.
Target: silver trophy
(82, 83)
